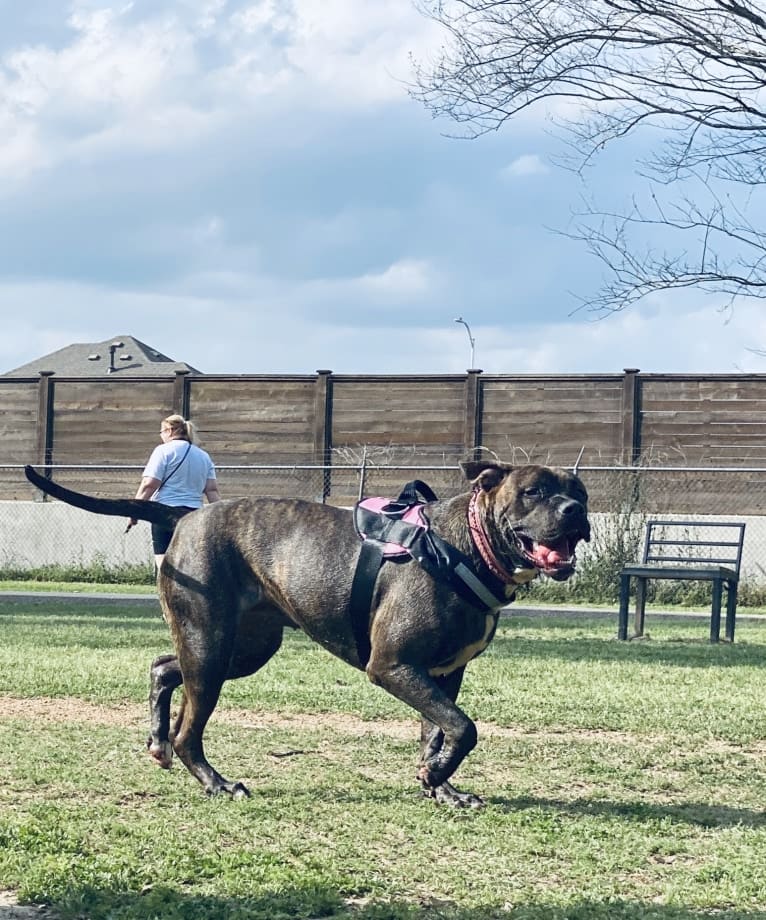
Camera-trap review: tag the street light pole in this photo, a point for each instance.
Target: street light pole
(459, 319)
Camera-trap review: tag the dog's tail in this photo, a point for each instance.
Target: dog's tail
(156, 512)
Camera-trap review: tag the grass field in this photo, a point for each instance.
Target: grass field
(622, 780)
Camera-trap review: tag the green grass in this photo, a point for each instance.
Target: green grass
(96, 572)
(622, 780)
(75, 587)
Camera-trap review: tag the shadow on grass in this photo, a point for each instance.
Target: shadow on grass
(317, 902)
(700, 815)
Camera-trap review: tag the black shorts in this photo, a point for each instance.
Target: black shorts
(161, 535)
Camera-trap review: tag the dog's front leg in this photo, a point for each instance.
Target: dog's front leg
(431, 742)
(452, 727)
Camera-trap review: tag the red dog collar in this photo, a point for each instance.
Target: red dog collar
(481, 541)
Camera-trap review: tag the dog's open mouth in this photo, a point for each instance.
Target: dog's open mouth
(555, 558)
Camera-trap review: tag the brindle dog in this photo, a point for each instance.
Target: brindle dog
(238, 572)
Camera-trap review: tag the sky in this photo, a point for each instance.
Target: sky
(248, 186)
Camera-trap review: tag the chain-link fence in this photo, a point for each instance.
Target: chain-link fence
(37, 532)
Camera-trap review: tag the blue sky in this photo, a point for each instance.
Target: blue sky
(246, 186)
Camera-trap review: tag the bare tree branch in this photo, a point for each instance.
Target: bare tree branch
(693, 72)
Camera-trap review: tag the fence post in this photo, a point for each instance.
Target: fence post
(631, 416)
(323, 427)
(181, 394)
(44, 451)
(363, 473)
(472, 404)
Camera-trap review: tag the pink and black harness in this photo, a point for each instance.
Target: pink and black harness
(399, 531)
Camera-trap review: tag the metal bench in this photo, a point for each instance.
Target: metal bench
(687, 550)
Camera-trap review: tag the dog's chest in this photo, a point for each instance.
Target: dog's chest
(461, 658)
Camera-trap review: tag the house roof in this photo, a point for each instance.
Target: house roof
(122, 355)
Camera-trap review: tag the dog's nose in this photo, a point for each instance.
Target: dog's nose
(569, 507)
(575, 517)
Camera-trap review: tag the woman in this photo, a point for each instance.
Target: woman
(178, 473)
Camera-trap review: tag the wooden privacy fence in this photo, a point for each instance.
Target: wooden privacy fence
(411, 420)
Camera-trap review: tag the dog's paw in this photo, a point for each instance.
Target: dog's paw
(161, 753)
(233, 790)
(447, 794)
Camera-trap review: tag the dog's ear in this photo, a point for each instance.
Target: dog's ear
(485, 474)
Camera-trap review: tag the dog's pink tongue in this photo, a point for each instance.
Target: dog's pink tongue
(555, 554)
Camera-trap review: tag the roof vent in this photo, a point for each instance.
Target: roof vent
(112, 349)
(94, 357)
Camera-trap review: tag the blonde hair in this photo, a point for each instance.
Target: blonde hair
(181, 429)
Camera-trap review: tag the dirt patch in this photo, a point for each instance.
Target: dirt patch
(70, 709)
(10, 909)
(132, 715)
(73, 709)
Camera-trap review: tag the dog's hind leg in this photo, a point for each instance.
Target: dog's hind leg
(432, 741)
(164, 676)
(204, 672)
(201, 692)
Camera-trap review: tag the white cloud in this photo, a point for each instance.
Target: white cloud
(529, 164)
(658, 337)
(115, 85)
(236, 181)
(106, 66)
(360, 50)
(235, 323)
(131, 80)
(409, 278)
(22, 151)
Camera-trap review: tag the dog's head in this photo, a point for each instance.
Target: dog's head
(534, 516)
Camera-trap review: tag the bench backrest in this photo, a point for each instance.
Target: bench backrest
(702, 543)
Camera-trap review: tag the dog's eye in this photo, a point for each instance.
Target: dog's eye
(533, 492)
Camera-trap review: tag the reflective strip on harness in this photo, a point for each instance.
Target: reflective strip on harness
(483, 593)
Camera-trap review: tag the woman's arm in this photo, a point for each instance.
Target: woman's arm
(148, 487)
(211, 490)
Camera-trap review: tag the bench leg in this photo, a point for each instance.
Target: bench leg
(715, 616)
(622, 620)
(731, 609)
(640, 606)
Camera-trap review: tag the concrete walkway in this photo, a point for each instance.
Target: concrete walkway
(150, 599)
(79, 597)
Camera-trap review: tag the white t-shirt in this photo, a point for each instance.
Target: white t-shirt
(186, 473)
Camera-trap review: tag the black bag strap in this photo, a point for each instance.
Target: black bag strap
(175, 469)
